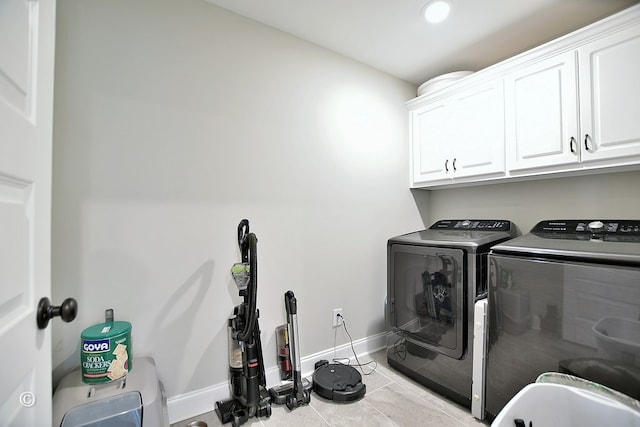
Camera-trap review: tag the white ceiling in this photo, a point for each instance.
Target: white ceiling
(392, 36)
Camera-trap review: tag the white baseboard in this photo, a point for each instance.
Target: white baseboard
(198, 402)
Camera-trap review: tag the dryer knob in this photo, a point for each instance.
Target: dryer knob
(596, 226)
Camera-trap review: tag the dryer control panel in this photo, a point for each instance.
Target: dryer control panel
(472, 224)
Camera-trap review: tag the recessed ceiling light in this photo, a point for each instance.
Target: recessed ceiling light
(437, 11)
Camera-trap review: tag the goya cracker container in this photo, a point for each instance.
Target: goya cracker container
(106, 354)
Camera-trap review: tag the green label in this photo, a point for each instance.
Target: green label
(105, 360)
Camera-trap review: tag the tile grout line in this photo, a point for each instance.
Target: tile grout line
(379, 411)
(320, 415)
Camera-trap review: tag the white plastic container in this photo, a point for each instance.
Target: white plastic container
(137, 400)
(553, 404)
(116, 411)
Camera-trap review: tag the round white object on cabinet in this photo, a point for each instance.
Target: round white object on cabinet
(441, 81)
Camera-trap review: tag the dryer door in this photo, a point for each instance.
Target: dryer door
(427, 290)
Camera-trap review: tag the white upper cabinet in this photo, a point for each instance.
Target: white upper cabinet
(429, 133)
(569, 107)
(541, 110)
(459, 137)
(576, 108)
(610, 97)
(479, 127)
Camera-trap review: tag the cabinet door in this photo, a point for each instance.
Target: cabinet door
(610, 96)
(429, 128)
(542, 114)
(479, 127)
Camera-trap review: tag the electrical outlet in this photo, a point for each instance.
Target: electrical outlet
(337, 317)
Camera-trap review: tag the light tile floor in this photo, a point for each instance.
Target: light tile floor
(392, 399)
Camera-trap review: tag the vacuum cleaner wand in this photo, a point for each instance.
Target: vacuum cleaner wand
(298, 392)
(249, 395)
(299, 395)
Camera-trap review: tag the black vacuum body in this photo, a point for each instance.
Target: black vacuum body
(338, 382)
(249, 397)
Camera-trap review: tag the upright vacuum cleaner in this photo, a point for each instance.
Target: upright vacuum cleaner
(298, 392)
(248, 384)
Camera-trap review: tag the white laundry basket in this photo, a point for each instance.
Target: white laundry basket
(568, 401)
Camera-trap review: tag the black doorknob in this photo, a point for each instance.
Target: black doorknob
(67, 311)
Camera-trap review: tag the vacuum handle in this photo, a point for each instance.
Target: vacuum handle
(290, 303)
(243, 231)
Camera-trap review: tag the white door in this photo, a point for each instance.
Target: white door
(27, 40)
(610, 96)
(541, 110)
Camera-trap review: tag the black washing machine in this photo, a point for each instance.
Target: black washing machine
(563, 298)
(434, 278)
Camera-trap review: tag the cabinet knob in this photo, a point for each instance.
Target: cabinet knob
(572, 143)
(446, 165)
(454, 165)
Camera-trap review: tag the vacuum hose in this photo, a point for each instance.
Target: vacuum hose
(248, 243)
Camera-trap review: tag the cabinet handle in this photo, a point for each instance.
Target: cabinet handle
(446, 165)
(454, 165)
(572, 143)
(586, 141)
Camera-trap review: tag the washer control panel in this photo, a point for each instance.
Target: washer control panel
(589, 229)
(472, 224)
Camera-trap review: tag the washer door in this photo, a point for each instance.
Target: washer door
(552, 315)
(427, 290)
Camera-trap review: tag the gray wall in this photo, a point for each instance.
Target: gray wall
(602, 196)
(176, 119)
